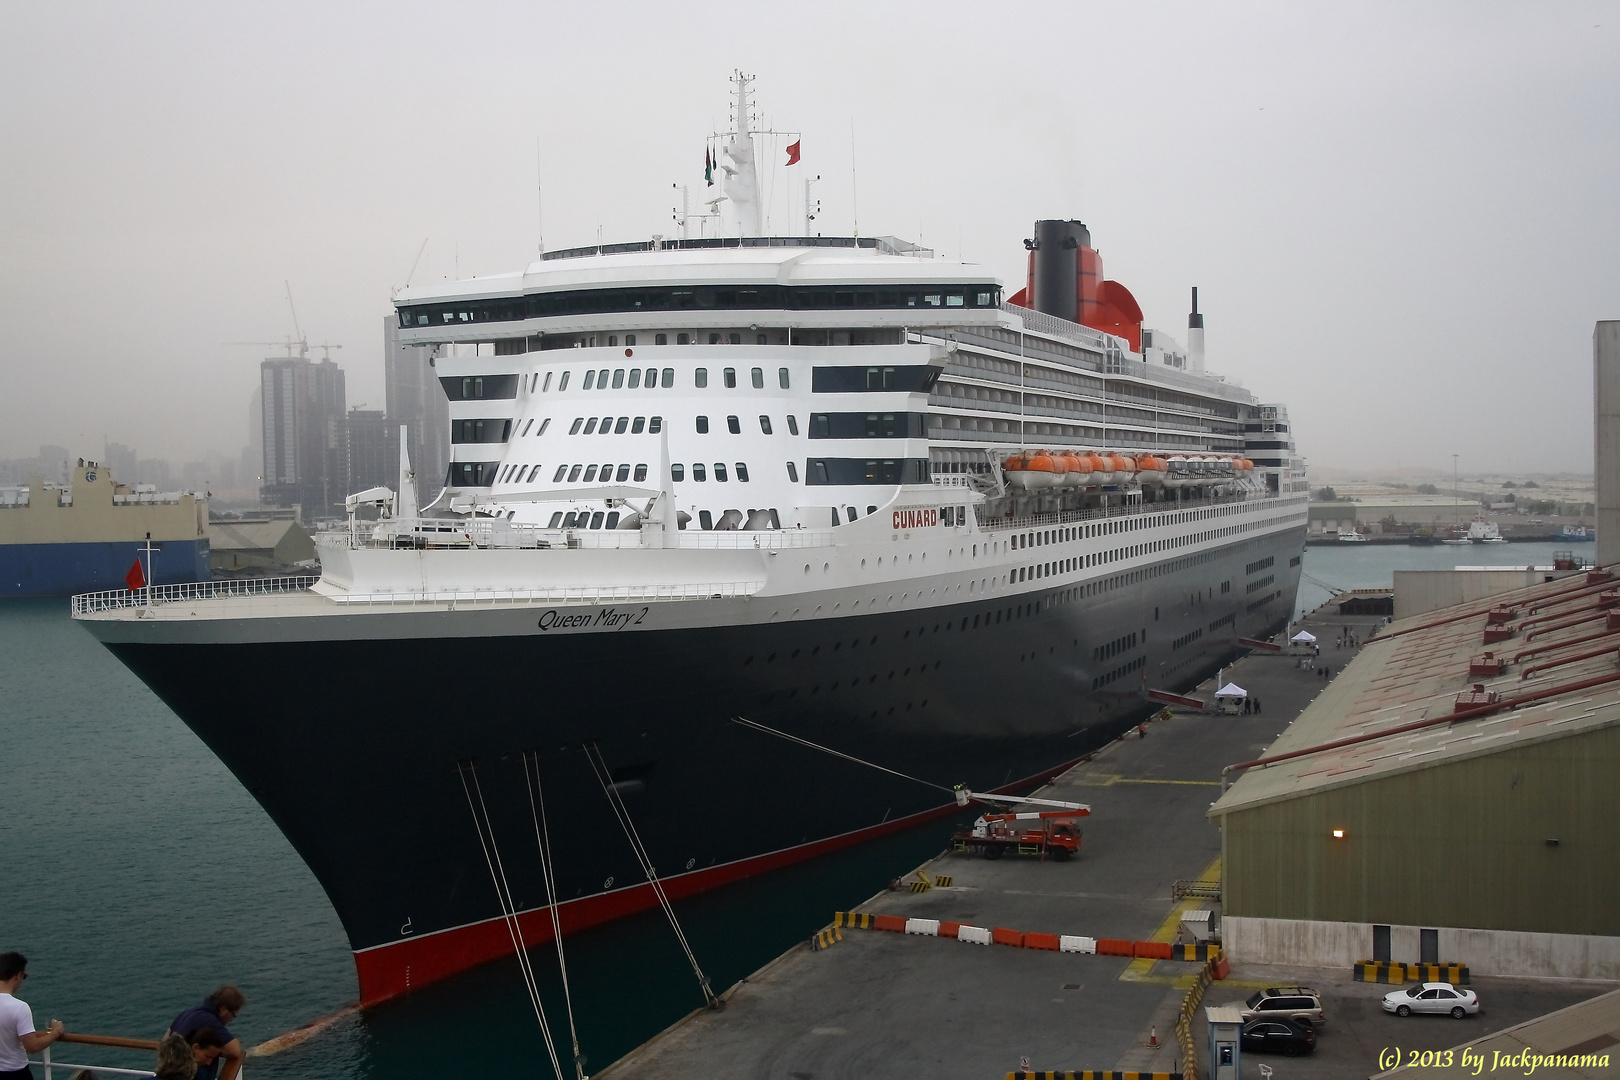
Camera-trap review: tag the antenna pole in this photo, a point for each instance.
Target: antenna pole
(539, 197)
(854, 189)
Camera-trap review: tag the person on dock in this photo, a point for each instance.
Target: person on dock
(18, 1038)
(221, 1008)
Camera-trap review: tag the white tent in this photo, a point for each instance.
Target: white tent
(1304, 637)
(1231, 690)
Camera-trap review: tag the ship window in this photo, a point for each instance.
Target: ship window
(562, 470)
(543, 425)
(683, 339)
(618, 378)
(527, 424)
(607, 426)
(590, 426)
(735, 339)
(931, 299)
(562, 383)
(556, 519)
(700, 377)
(729, 377)
(757, 377)
(574, 475)
(533, 473)
(984, 299)
(714, 339)
(759, 339)
(667, 379)
(820, 426)
(613, 519)
(630, 339)
(655, 425)
(703, 425)
(733, 425)
(677, 472)
(782, 377)
(793, 421)
(640, 474)
(651, 378)
(793, 472)
(817, 472)
(635, 378)
(705, 520)
(660, 339)
(698, 474)
(765, 424)
(623, 422)
(547, 384)
(719, 472)
(742, 473)
(590, 379)
(596, 520)
(637, 425)
(568, 521)
(590, 473)
(624, 474)
(602, 379)
(953, 299)
(871, 509)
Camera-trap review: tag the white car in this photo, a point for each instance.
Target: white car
(1432, 997)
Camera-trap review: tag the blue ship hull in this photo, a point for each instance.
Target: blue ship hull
(65, 569)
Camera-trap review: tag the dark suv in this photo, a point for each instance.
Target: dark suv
(1300, 1004)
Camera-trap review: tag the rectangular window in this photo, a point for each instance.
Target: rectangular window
(698, 473)
(630, 339)
(635, 378)
(574, 475)
(623, 422)
(866, 472)
(562, 383)
(590, 426)
(793, 472)
(953, 300)
(652, 377)
(910, 378)
(543, 425)
(782, 377)
(607, 425)
(590, 379)
(640, 474)
(660, 339)
(667, 379)
(730, 378)
(765, 424)
(733, 425)
(624, 474)
(480, 387)
(793, 424)
(590, 474)
(683, 339)
(602, 379)
(556, 520)
(655, 425)
(562, 470)
(705, 520)
(720, 472)
(742, 473)
(868, 425)
(618, 378)
(677, 472)
(547, 385)
(700, 377)
(637, 425)
(471, 473)
(703, 425)
(757, 377)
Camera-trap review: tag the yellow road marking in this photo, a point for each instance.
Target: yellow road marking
(1141, 969)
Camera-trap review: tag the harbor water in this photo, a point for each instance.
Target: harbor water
(140, 875)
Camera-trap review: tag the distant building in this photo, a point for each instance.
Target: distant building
(306, 434)
(416, 400)
(154, 471)
(54, 464)
(122, 461)
(369, 463)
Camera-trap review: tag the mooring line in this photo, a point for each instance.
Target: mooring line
(542, 837)
(757, 726)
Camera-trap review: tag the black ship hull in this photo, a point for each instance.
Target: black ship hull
(369, 754)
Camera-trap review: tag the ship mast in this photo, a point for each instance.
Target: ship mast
(742, 177)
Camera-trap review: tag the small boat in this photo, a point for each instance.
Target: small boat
(1576, 534)
(1351, 537)
(1481, 531)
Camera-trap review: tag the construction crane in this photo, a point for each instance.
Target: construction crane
(301, 342)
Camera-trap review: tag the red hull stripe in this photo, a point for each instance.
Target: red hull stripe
(387, 971)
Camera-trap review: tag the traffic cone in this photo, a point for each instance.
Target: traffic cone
(1153, 1035)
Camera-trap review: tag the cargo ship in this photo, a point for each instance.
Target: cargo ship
(725, 514)
(57, 540)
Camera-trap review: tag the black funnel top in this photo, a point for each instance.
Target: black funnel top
(1056, 267)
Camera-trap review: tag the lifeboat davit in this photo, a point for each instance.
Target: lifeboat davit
(1102, 469)
(1151, 470)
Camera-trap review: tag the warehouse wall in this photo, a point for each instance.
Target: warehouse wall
(1459, 844)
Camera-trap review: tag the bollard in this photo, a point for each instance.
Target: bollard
(1153, 1036)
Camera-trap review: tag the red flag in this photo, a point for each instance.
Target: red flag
(135, 579)
(793, 152)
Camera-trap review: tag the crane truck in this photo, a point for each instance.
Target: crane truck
(1047, 833)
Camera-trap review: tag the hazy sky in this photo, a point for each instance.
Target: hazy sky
(1403, 218)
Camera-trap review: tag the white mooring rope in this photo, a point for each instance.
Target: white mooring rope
(757, 726)
(593, 754)
(542, 837)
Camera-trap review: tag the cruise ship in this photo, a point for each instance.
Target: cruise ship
(836, 487)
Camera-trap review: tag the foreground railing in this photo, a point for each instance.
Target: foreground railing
(448, 532)
(116, 599)
(52, 1068)
(562, 594)
(1059, 517)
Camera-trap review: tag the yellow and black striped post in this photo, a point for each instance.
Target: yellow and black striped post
(826, 939)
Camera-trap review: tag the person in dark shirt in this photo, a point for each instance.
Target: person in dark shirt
(220, 1010)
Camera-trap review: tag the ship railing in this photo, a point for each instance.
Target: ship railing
(559, 595)
(448, 532)
(117, 599)
(1061, 517)
(53, 1068)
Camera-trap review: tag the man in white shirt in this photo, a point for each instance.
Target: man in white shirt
(18, 1038)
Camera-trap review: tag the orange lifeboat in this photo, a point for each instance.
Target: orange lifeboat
(1151, 470)
(1031, 471)
(1102, 470)
(1077, 469)
(1124, 469)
